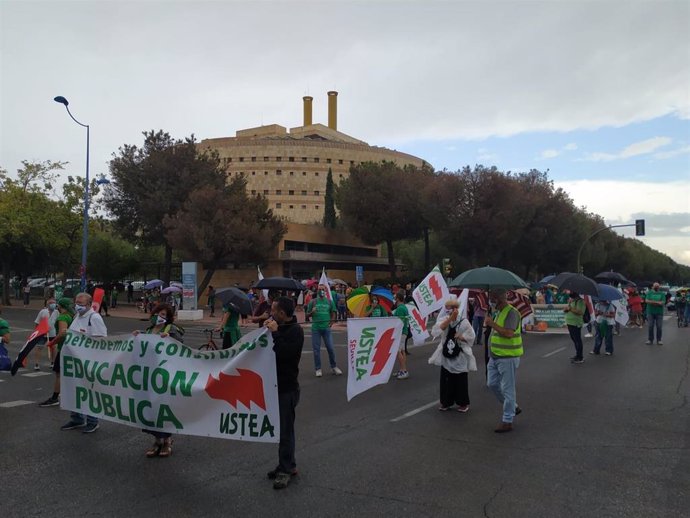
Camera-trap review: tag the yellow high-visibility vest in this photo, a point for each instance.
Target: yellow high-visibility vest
(507, 347)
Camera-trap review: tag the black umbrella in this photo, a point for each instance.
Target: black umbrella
(577, 283)
(236, 298)
(279, 283)
(611, 277)
(557, 279)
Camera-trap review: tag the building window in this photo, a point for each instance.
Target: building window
(266, 173)
(253, 173)
(279, 159)
(316, 174)
(317, 207)
(279, 192)
(292, 173)
(266, 192)
(279, 172)
(304, 173)
(352, 162)
(316, 193)
(340, 162)
(265, 159)
(304, 193)
(229, 159)
(241, 159)
(292, 206)
(291, 192)
(253, 159)
(304, 159)
(279, 205)
(340, 175)
(328, 160)
(253, 191)
(304, 206)
(291, 159)
(316, 160)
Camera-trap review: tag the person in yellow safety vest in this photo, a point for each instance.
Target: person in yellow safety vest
(505, 350)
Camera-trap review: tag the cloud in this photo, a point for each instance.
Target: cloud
(570, 147)
(643, 147)
(619, 203)
(553, 153)
(674, 153)
(484, 155)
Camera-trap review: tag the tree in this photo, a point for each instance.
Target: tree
(154, 182)
(329, 217)
(218, 227)
(373, 205)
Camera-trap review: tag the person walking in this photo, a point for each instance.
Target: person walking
(230, 325)
(163, 324)
(505, 351)
(574, 320)
(288, 341)
(454, 356)
(211, 301)
(62, 323)
(403, 314)
(322, 312)
(51, 313)
(90, 323)
(605, 314)
(478, 318)
(130, 292)
(26, 290)
(635, 302)
(655, 301)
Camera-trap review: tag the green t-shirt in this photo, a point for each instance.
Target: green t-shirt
(4, 327)
(378, 311)
(323, 308)
(571, 318)
(658, 296)
(232, 324)
(402, 312)
(62, 317)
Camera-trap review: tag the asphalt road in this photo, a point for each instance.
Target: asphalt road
(608, 438)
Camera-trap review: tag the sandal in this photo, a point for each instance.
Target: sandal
(155, 450)
(166, 448)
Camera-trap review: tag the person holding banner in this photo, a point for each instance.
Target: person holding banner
(454, 356)
(62, 323)
(90, 323)
(403, 314)
(505, 351)
(288, 341)
(323, 312)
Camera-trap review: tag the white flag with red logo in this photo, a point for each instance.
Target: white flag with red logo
(372, 346)
(324, 281)
(432, 293)
(418, 325)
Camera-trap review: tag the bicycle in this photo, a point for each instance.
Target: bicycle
(210, 344)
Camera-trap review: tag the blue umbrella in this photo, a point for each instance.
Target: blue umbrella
(607, 292)
(547, 279)
(155, 283)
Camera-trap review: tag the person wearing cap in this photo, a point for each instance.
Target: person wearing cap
(505, 351)
(62, 323)
(574, 320)
(655, 301)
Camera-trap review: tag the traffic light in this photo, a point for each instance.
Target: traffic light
(639, 227)
(447, 267)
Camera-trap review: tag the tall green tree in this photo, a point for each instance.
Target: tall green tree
(152, 182)
(220, 227)
(329, 216)
(373, 206)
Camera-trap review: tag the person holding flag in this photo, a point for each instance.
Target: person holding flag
(62, 323)
(90, 323)
(51, 313)
(322, 311)
(403, 314)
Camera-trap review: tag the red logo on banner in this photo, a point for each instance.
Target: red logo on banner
(435, 287)
(245, 388)
(383, 351)
(418, 318)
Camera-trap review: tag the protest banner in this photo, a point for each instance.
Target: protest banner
(432, 292)
(622, 316)
(418, 325)
(548, 318)
(147, 381)
(373, 344)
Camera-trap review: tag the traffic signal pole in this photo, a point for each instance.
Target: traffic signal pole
(639, 231)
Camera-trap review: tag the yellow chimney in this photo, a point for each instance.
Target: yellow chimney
(307, 110)
(333, 110)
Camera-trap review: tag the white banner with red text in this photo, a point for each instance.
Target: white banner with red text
(432, 293)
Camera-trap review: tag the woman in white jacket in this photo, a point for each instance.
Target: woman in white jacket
(454, 356)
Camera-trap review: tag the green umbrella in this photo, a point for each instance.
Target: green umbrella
(487, 278)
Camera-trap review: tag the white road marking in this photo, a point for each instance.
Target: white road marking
(11, 404)
(554, 352)
(36, 374)
(414, 412)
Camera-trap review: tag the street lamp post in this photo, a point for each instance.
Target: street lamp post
(85, 231)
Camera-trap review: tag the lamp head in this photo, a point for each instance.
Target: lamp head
(60, 99)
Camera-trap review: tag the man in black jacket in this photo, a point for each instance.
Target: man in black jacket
(288, 339)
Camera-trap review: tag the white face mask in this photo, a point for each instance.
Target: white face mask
(160, 320)
(80, 309)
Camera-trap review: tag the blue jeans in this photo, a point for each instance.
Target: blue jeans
(608, 340)
(477, 323)
(501, 380)
(316, 335)
(79, 418)
(659, 320)
(687, 314)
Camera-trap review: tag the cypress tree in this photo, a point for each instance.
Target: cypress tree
(329, 217)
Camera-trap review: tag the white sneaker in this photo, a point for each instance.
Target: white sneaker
(36, 367)
(337, 371)
(403, 375)
(318, 373)
(588, 335)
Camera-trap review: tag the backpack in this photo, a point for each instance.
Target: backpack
(451, 348)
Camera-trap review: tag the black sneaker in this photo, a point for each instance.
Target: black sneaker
(51, 401)
(90, 428)
(72, 425)
(518, 410)
(575, 359)
(274, 473)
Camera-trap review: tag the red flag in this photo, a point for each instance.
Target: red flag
(98, 294)
(41, 330)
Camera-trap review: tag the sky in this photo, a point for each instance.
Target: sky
(595, 92)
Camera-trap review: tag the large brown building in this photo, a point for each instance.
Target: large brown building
(289, 168)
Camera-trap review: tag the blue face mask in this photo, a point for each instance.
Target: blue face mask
(80, 309)
(52, 307)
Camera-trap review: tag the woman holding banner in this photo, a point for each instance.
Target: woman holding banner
(454, 356)
(162, 323)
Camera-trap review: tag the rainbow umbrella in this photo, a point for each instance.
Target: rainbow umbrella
(358, 301)
(385, 296)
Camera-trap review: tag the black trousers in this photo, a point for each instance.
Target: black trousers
(576, 337)
(454, 389)
(287, 402)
